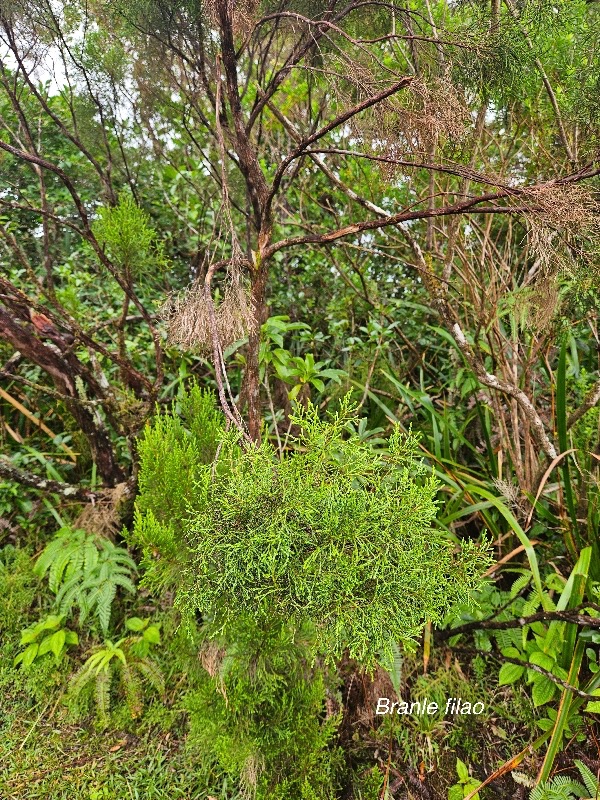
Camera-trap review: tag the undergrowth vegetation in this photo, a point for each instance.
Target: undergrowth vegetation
(299, 400)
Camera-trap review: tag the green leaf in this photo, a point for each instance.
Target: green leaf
(542, 660)
(52, 622)
(57, 643)
(30, 634)
(462, 771)
(455, 792)
(136, 624)
(543, 690)
(509, 673)
(512, 652)
(45, 646)
(152, 634)
(30, 654)
(470, 786)
(545, 724)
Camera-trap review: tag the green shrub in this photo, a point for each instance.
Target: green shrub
(290, 562)
(260, 714)
(172, 450)
(335, 535)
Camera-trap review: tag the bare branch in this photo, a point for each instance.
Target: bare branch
(335, 123)
(66, 490)
(519, 622)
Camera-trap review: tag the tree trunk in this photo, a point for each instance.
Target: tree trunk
(251, 390)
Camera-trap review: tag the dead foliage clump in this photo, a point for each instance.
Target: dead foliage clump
(253, 766)
(189, 314)
(243, 14)
(211, 657)
(434, 112)
(103, 516)
(414, 121)
(567, 207)
(560, 218)
(544, 303)
(509, 492)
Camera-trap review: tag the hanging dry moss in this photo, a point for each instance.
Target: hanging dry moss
(188, 315)
(242, 14)
(414, 121)
(568, 207)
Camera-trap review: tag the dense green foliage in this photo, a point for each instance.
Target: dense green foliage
(335, 535)
(263, 672)
(299, 399)
(290, 560)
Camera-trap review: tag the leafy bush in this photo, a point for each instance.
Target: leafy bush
(172, 452)
(334, 534)
(125, 231)
(290, 561)
(260, 713)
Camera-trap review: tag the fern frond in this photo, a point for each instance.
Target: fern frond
(102, 692)
(103, 604)
(590, 780)
(133, 691)
(81, 678)
(47, 556)
(69, 594)
(58, 567)
(152, 673)
(125, 583)
(90, 557)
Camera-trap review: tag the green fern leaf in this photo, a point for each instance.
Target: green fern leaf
(133, 691)
(589, 779)
(152, 673)
(102, 693)
(103, 604)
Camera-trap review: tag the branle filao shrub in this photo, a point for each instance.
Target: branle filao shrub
(334, 535)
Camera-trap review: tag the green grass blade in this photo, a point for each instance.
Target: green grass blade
(561, 429)
(562, 717)
(519, 533)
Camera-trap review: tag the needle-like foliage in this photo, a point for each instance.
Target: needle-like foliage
(334, 534)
